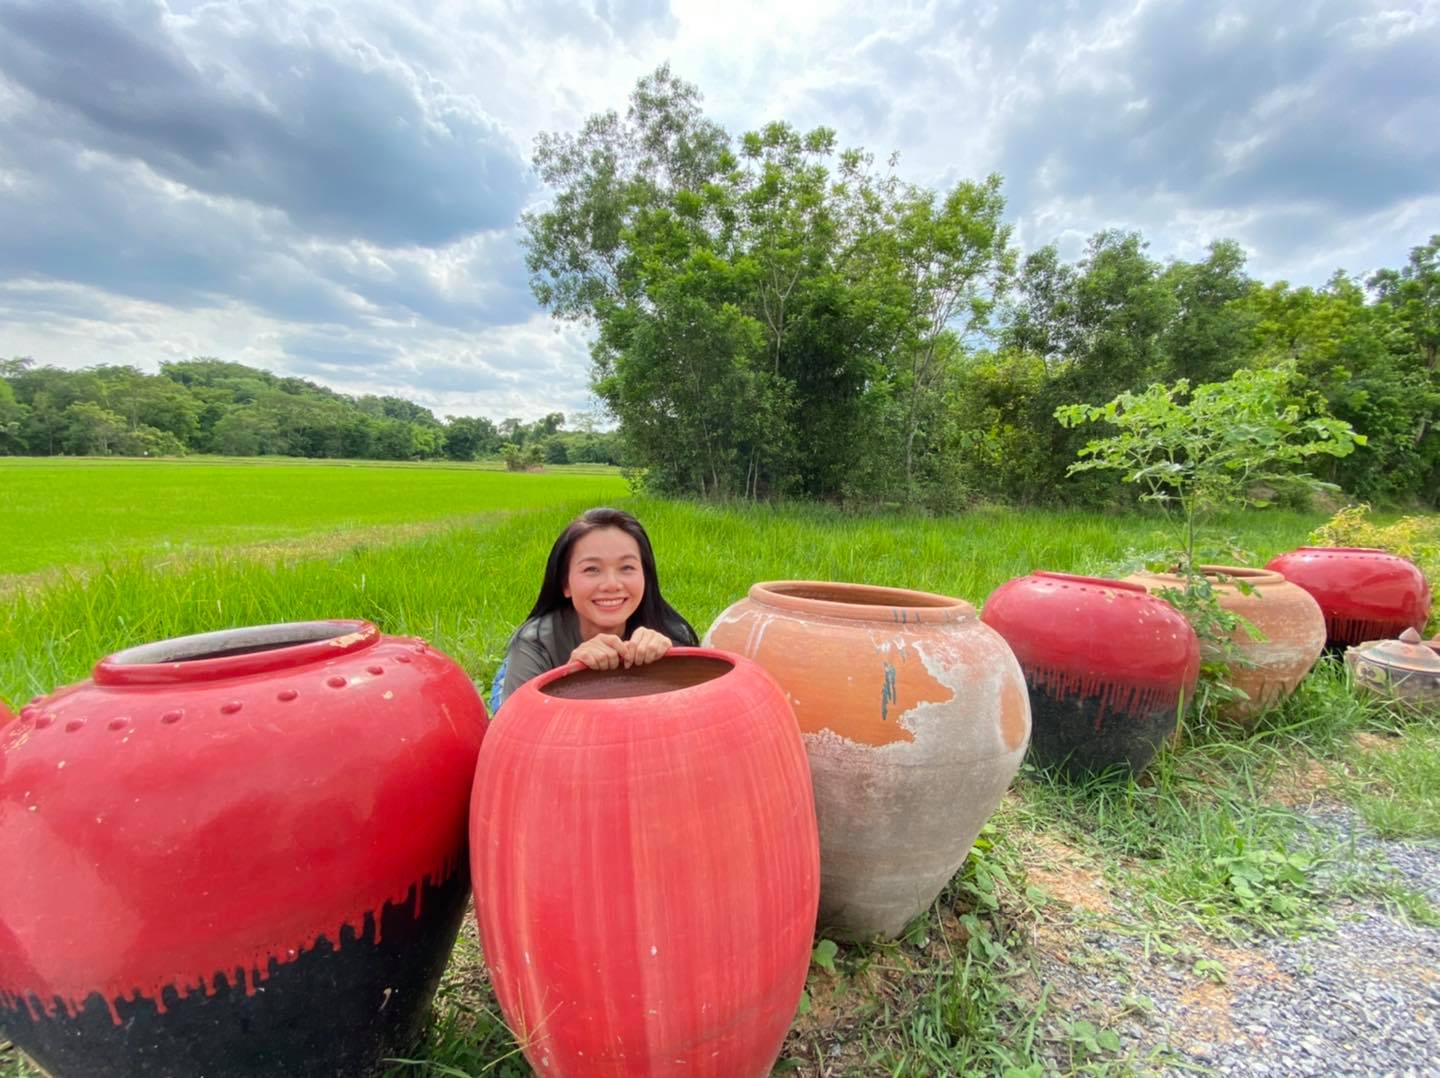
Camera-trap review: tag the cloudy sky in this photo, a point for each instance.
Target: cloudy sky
(331, 190)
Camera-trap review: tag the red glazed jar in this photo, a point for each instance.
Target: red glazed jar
(646, 867)
(1108, 666)
(1364, 593)
(238, 853)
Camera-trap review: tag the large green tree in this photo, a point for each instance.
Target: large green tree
(772, 314)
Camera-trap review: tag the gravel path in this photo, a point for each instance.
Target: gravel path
(1364, 999)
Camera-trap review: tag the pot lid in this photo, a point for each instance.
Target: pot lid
(1409, 653)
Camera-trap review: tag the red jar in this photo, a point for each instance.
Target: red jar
(235, 853)
(1364, 593)
(646, 867)
(1108, 666)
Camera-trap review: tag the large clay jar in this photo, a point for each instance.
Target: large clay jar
(1291, 627)
(239, 853)
(1109, 667)
(915, 719)
(1364, 593)
(646, 867)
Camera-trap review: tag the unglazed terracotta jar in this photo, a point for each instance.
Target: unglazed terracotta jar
(915, 718)
(1290, 623)
(1109, 667)
(1364, 593)
(646, 867)
(239, 853)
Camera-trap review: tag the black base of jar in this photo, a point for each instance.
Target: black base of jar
(1079, 737)
(329, 1012)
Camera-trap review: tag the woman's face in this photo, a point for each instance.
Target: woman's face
(606, 581)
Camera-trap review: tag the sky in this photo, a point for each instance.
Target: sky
(333, 190)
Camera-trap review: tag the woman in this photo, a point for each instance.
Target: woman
(599, 604)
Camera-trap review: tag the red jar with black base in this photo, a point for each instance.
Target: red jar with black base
(239, 853)
(1364, 593)
(1109, 667)
(647, 867)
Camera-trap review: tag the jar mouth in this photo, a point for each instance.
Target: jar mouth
(860, 602)
(1095, 581)
(680, 669)
(254, 649)
(1240, 572)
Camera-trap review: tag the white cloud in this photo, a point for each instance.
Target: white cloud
(331, 190)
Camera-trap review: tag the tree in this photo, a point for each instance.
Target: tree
(13, 415)
(1216, 446)
(89, 428)
(768, 313)
(469, 437)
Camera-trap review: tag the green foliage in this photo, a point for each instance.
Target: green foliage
(209, 406)
(1224, 445)
(774, 316)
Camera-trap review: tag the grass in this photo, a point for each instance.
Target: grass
(1205, 853)
(82, 511)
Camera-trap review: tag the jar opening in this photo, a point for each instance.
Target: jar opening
(670, 674)
(228, 642)
(859, 594)
(234, 652)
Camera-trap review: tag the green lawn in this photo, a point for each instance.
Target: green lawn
(75, 512)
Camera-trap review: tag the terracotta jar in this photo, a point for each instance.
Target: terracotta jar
(1364, 593)
(646, 867)
(1290, 623)
(1109, 667)
(915, 719)
(238, 853)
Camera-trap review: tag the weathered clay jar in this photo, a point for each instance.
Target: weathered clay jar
(238, 853)
(915, 718)
(1364, 593)
(1290, 623)
(1404, 671)
(646, 867)
(1109, 667)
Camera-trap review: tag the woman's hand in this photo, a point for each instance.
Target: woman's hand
(603, 652)
(646, 645)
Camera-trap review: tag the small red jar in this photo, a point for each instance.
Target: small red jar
(1364, 593)
(235, 853)
(1108, 666)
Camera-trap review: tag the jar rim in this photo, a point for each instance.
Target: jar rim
(671, 673)
(238, 652)
(1098, 581)
(860, 602)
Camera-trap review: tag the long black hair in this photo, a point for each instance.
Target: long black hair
(652, 613)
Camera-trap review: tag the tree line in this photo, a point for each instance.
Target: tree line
(777, 316)
(206, 405)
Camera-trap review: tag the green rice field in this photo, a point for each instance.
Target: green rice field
(97, 556)
(85, 510)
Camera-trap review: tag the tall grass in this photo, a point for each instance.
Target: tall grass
(466, 588)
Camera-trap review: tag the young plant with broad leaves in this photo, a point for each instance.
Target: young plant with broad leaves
(1216, 446)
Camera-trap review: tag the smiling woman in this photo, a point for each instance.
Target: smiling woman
(599, 604)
